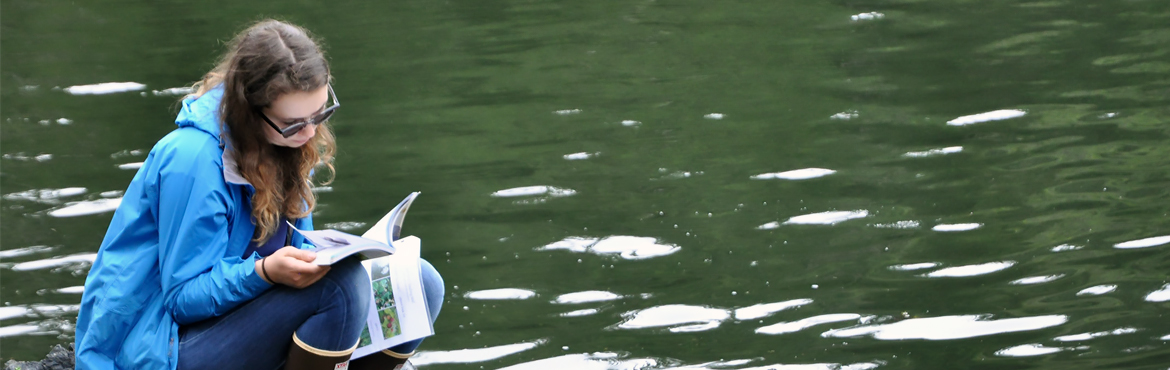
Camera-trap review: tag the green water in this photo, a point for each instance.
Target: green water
(463, 99)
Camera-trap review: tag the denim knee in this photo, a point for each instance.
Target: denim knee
(433, 288)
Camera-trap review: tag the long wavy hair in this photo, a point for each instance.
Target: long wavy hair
(269, 59)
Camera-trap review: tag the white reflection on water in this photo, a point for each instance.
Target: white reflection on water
(948, 327)
(1160, 295)
(723, 365)
(72, 290)
(956, 227)
(566, 112)
(761, 310)
(130, 166)
(1144, 243)
(914, 266)
(934, 152)
(25, 251)
(104, 88)
(1027, 350)
(84, 208)
(630, 123)
(48, 196)
(805, 323)
(587, 361)
(1036, 279)
(45, 310)
(1098, 290)
(534, 190)
(55, 262)
(801, 174)
(823, 218)
(1066, 247)
(13, 330)
(672, 315)
(906, 224)
(986, 117)
(585, 312)
(713, 116)
(627, 247)
(586, 297)
(502, 293)
(867, 16)
(1087, 336)
(1166, 337)
(845, 116)
(466, 356)
(971, 270)
(174, 91)
(580, 156)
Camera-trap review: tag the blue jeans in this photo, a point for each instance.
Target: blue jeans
(328, 315)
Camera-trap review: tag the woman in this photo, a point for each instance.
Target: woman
(197, 269)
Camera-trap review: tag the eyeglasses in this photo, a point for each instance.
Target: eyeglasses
(296, 126)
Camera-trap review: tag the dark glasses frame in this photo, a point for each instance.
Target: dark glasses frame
(296, 126)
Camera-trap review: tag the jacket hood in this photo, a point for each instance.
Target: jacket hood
(203, 113)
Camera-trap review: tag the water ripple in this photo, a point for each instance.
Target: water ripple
(672, 315)
(586, 297)
(1028, 350)
(801, 174)
(971, 270)
(627, 247)
(85, 208)
(1036, 279)
(956, 227)
(762, 310)
(986, 117)
(82, 258)
(1098, 290)
(466, 356)
(502, 293)
(1160, 295)
(805, 323)
(104, 88)
(949, 327)
(1144, 243)
(526, 191)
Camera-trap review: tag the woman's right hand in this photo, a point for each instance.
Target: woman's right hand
(291, 266)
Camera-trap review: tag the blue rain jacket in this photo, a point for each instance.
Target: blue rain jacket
(172, 253)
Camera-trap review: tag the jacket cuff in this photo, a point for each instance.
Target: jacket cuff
(253, 283)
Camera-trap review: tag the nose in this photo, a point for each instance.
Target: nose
(309, 131)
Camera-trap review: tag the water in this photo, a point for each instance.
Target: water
(668, 184)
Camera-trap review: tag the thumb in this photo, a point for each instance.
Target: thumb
(303, 255)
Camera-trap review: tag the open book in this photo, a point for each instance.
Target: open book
(398, 311)
(333, 245)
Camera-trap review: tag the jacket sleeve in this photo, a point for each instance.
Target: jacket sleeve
(193, 211)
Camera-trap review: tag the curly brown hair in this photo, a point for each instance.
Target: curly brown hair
(268, 59)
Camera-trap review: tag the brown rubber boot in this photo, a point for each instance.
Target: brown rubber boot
(385, 360)
(301, 356)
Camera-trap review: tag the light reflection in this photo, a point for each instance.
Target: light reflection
(586, 297)
(986, 117)
(627, 247)
(25, 251)
(14, 330)
(502, 293)
(956, 227)
(1027, 350)
(714, 116)
(723, 365)
(89, 207)
(762, 310)
(914, 266)
(1098, 290)
(826, 218)
(86, 258)
(1144, 243)
(906, 224)
(1036, 279)
(104, 88)
(580, 156)
(1160, 295)
(526, 191)
(587, 361)
(1066, 247)
(934, 152)
(130, 166)
(577, 313)
(801, 174)
(672, 315)
(72, 290)
(466, 356)
(805, 323)
(48, 196)
(948, 327)
(971, 270)
(1087, 336)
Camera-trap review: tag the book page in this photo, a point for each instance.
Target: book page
(333, 245)
(398, 310)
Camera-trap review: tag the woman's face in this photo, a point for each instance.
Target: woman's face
(291, 107)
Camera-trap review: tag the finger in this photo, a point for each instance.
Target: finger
(304, 268)
(303, 254)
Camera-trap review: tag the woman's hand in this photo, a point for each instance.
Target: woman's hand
(291, 266)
